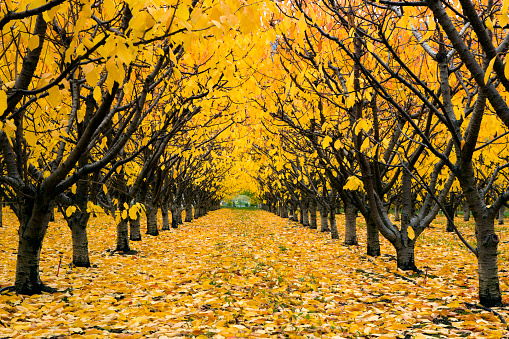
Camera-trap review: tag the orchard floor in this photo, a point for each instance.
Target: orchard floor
(235, 274)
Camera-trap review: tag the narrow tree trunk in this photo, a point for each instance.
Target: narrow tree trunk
(332, 222)
(135, 229)
(305, 214)
(449, 207)
(189, 213)
(466, 212)
(78, 225)
(372, 238)
(166, 219)
(301, 214)
(501, 212)
(312, 214)
(350, 224)
(122, 237)
(487, 240)
(405, 257)
(196, 211)
(396, 211)
(324, 223)
(151, 212)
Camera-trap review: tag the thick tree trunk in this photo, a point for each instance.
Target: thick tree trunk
(301, 214)
(31, 235)
(487, 240)
(312, 214)
(332, 222)
(350, 224)
(174, 217)
(135, 229)
(189, 213)
(122, 237)
(78, 224)
(284, 211)
(151, 213)
(165, 215)
(324, 222)
(405, 257)
(196, 211)
(372, 238)
(179, 215)
(466, 212)
(501, 212)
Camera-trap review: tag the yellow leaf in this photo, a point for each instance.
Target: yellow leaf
(97, 94)
(462, 144)
(33, 42)
(411, 233)
(353, 183)
(3, 101)
(489, 24)
(488, 70)
(506, 73)
(73, 189)
(124, 214)
(105, 189)
(70, 210)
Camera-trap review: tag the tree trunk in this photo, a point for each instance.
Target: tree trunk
(332, 222)
(174, 218)
(301, 214)
(396, 211)
(449, 207)
(34, 220)
(135, 228)
(179, 215)
(196, 211)
(122, 237)
(151, 213)
(466, 212)
(189, 213)
(350, 224)
(372, 238)
(487, 240)
(166, 220)
(284, 211)
(312, 214)
(405, 257)
(305, 213)
(1, 211)
(324, 223)
(501, 212)
(78, 224)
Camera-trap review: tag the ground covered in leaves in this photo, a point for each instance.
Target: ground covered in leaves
(239, 273)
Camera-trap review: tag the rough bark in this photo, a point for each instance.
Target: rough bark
(179, 215)
(1, 211)
(332, 222)
(78, 225)
(135, 229)
(189, 213)
(396, 211)
(165, 215)
(501, 212)
(466, 212)
(122, 237)
(372, 238)
(34, 224)
(324, 222)
(151, 213)
(350, 224)
(174, 218)
(312, 214)
(305, 213)
(487, 240)
(405, 257)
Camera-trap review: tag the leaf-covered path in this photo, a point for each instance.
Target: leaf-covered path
(237, 273)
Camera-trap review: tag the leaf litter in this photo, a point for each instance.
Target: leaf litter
(239, 274)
